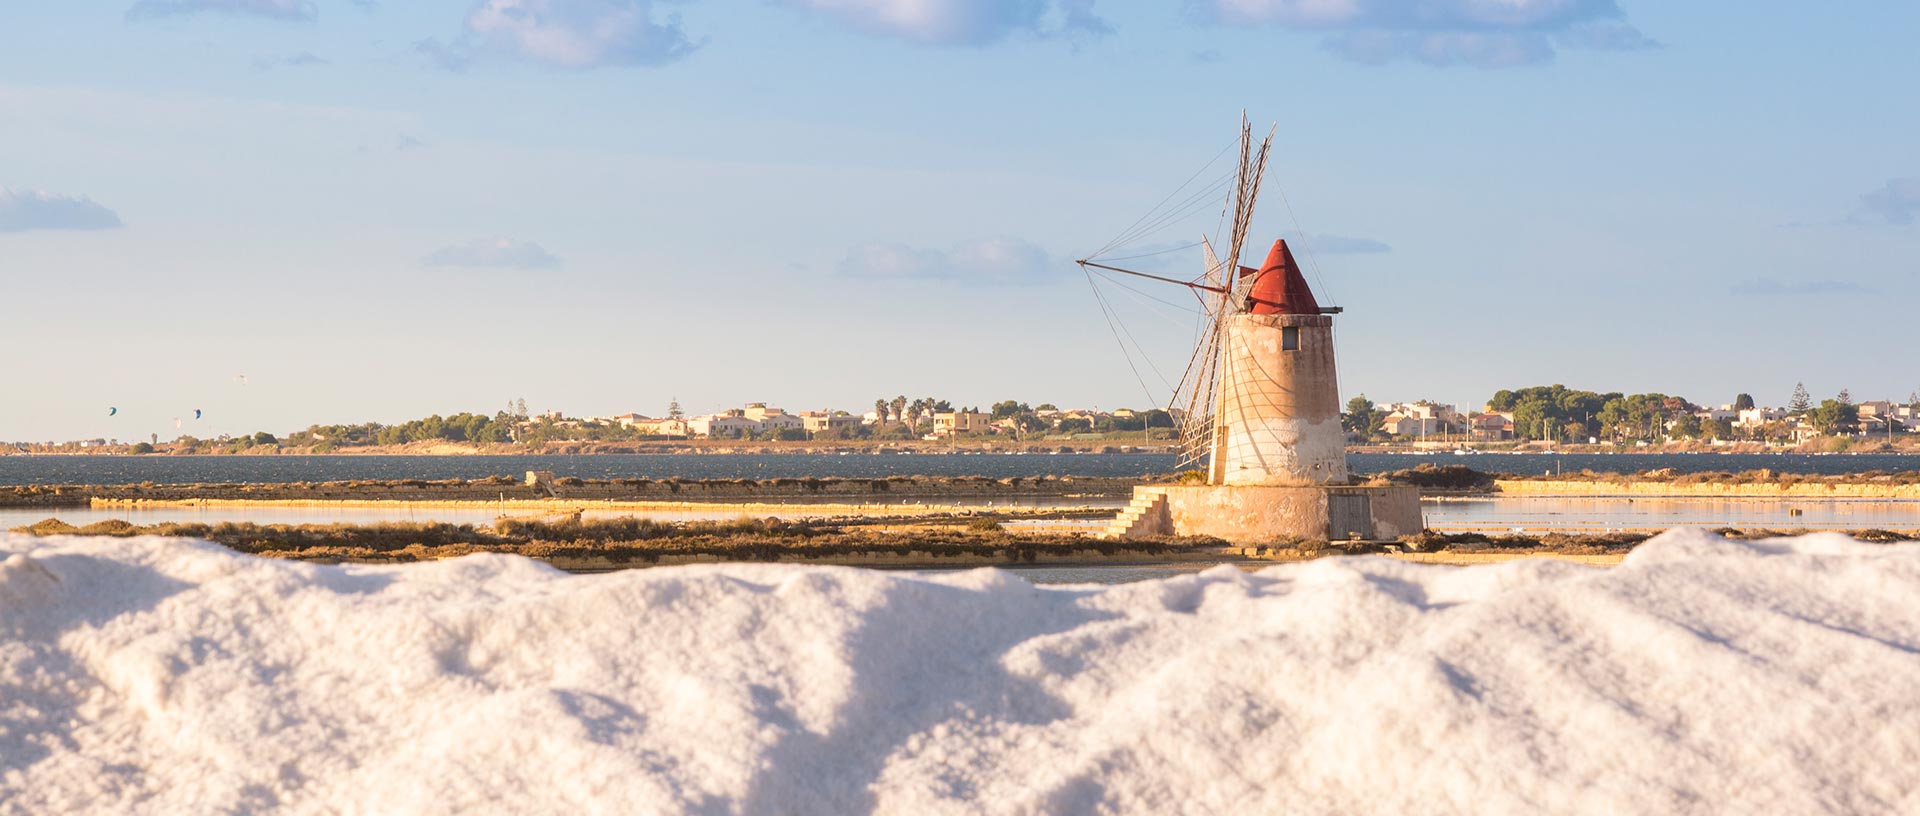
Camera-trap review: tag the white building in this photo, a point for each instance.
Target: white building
(1725, 412)
(825, 421)
(722, 425)
(1421, 419)
(1755, 417)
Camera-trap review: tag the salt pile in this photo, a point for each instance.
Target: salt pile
(1701, 676)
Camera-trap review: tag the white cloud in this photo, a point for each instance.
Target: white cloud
(1482, 33)
(1481, 49)
(568, 34)
(1897, 201)
(33, 210)
(300, 60)
(961, 22)
(280, 9)
(987, 261)
(497, 253)
(1326, 244)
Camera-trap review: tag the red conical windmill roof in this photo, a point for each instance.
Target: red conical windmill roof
(1279, 288)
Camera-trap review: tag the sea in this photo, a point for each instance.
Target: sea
(112, 470)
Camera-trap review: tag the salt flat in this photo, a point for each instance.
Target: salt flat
(1702, 675)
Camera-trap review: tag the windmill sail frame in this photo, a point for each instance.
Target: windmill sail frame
(1196, 399)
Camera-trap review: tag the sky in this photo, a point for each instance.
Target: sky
(376, 210)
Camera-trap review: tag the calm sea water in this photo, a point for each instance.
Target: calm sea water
(18, 470)
(1538, 514)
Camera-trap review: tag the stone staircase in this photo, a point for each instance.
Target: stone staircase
(1146, 515)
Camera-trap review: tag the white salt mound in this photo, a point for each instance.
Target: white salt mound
(1703, 675)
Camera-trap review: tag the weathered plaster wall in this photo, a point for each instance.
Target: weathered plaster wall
(1252, 514)
(1281, 408)
(1396, 511)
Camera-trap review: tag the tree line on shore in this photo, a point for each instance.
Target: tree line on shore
(1558, 413)
(899, 419)
(1547, 412)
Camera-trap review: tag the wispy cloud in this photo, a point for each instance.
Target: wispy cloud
(576, 34)
(278, 9)
(495, 253)
(1480, 33)
(1328, 244)
(985, 262)
(1769, 286)
(301, 60)
(1896, 202)
(962, 22)
(34, 210)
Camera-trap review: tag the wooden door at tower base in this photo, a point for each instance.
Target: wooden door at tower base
(1349, 516)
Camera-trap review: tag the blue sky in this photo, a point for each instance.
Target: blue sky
(378, 210)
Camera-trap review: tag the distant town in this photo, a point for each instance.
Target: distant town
(1557, 414)
(1539, 415)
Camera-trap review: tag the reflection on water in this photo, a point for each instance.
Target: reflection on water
(11, 517)
(1533, 513)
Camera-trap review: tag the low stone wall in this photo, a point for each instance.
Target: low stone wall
(1257, 514)
(1754, 490)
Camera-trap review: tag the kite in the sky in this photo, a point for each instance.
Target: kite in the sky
(196, 413)
(111, 411)
(241, 377)
(176, 423)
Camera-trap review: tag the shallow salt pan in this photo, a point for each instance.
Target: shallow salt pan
(1702, 675)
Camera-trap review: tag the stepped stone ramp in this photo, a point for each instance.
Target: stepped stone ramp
(1146, 515)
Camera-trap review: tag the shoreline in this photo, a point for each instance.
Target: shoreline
(1119, 444)
(500, 489)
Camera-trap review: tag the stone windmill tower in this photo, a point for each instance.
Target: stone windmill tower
(1260, 408)
(1278, 400)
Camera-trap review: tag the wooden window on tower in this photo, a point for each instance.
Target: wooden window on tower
(1289, 338)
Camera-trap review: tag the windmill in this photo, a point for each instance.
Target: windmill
(1259, 401)
(1226, 290)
